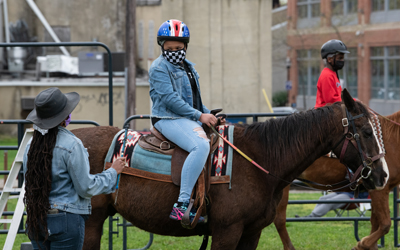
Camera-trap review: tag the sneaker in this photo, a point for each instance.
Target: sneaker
(179, 210)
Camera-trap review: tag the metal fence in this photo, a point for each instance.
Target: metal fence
(21, 124)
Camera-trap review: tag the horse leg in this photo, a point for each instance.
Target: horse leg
(280, 220)
(94, 225)
(226, 238)
(249, 242)
(380, 220)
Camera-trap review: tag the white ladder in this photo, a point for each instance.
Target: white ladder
(8, 188)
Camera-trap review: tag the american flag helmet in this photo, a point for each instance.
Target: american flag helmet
(173, 30)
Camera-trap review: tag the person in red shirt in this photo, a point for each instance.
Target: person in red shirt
(328, 87)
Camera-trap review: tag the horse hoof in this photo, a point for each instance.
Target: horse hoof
(360, 247)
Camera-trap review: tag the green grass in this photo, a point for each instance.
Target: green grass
(304, 235)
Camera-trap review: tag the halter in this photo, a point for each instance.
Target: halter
(354, 139)
(348, 119)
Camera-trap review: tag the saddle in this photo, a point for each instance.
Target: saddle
(156, 142)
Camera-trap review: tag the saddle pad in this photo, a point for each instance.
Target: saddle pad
(222, 156)
(142, 159)
(115, 149)
(151, 161)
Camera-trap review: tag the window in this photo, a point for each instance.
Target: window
(309, 71)
(385, 5)
(350, 72)
(344, 7)
(308, 8)
(385, 73)
(394, 5)
(148, 2)
(384, 11)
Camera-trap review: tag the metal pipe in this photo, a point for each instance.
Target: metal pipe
(6, 29)
(84, 44)
(46, 25)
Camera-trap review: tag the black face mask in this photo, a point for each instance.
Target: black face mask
(337, 65)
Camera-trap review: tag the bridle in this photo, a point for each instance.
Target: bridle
(348, 118)
(364, 170)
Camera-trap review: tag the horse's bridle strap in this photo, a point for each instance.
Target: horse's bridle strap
(345, 120)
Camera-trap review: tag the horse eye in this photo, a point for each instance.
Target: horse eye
(367, 133)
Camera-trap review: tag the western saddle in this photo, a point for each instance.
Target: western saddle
(156, 142)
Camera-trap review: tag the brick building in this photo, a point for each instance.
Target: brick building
(371, 31)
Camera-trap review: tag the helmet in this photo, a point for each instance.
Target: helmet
(333, 47)
(173, 30)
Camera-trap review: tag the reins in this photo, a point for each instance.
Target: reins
(384, 117)
(240, 152)
(348, 136)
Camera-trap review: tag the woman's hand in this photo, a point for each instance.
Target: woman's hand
(208, 119)
(119, 164)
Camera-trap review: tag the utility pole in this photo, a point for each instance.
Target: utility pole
(130, 59)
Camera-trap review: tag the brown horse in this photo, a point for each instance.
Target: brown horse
(285, 147)
(327, 170)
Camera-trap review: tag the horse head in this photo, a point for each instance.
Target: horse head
(359, 148)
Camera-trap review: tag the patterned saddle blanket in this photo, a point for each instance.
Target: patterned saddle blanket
(142, 159)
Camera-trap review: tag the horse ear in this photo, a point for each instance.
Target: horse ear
(348, 100)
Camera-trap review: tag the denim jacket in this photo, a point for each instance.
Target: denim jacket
(72, 185)
(171, 92)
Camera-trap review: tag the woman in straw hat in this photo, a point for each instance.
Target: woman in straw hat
(57, 180)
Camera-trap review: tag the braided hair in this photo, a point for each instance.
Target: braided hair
(38, 182)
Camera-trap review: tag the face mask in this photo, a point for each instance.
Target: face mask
(174, 57)
(339, 65)
(68, 120)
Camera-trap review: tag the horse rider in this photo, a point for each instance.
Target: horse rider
(178, 110)
(329, 88)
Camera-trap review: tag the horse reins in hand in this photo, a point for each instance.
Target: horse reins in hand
(122, 155)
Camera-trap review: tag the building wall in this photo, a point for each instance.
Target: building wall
(279, 50)
(356, 30)
(94, 103)
(103, 21)
(230, 43)
(231, 46)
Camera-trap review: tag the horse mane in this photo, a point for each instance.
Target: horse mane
(392, 130)
(283, 140)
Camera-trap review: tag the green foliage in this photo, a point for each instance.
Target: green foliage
(279, 99)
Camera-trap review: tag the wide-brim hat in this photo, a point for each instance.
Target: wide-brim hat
(52, 107)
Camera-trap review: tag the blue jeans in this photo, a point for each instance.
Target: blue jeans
(66, 231)
(190, 136)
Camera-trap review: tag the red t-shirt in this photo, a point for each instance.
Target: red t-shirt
(328, 88)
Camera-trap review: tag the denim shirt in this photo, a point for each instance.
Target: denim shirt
(72, 185)
(171, 92)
